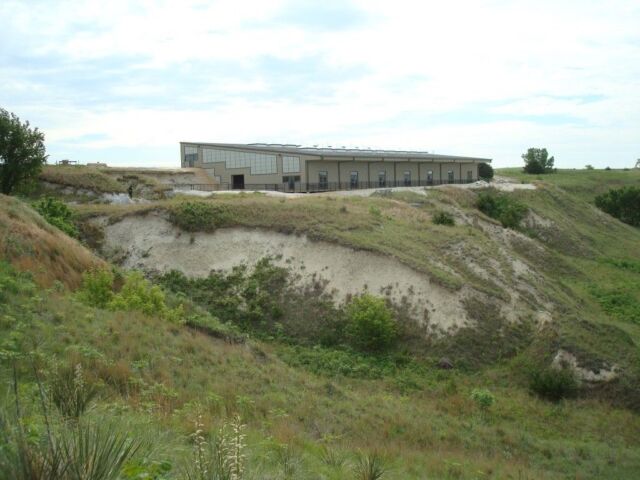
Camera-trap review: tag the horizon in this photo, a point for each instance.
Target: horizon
(463, 79)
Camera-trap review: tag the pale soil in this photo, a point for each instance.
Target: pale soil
(502, 184)
(151, 243)
(567, 359)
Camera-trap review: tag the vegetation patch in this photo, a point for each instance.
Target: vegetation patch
(58, 214)
(502, 207)
(622, 203)
(201, 216)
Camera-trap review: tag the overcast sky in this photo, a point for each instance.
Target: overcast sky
(123, 82)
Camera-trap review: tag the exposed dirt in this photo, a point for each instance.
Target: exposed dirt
(151, 243)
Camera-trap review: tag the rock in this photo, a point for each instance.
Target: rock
(445, 364)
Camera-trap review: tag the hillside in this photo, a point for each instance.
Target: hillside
(564, 283)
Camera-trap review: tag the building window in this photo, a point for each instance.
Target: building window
(323, 180)
(190, 156)
(429, 177)
(290, 164)
(353, 180)
(469, 175)
(407, 178)
(382, 178)
(450, 176)
(258, 163)
(290, 181)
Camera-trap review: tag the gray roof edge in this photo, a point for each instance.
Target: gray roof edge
(336, 152)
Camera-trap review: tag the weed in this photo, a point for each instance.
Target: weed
(443, 218)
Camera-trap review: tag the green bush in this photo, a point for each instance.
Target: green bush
(443, 218)
(553, 384)
(621, 203)
(507, 210)
(485, 171)
(200, 216)
(483, 398)
(137, 293)
(97, 288)
(140, 294)
(57, 214)
(370, 324)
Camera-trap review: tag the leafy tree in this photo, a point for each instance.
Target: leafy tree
(588, 167)
(485, 171)
(22, 152)
(622, 203)
(537, 160)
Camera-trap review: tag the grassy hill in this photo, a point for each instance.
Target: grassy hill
(317, 411)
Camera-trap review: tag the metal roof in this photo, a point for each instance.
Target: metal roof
(337, 152)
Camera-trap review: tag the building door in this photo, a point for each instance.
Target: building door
(323, 180)
(237, 182)
(382, 178)
(353, 180)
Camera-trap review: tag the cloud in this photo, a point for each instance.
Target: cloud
(107, 80)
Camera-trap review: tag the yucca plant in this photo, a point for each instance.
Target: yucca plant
(370, 467)
(332, 457)
(71, 393)
(221, 457)
(96, 452)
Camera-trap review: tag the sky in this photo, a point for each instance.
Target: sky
(123, 82)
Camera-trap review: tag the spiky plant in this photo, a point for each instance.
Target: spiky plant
(96, 452)
(71, 393)
(370, 467)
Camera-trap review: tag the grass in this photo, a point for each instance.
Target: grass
(582, 184)
(31, 243)
(301, 401)
(82, 177)
(158, 373)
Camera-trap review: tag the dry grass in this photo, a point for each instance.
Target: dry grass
(29, 243)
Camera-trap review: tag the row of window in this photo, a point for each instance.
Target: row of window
(259, 163)
(323, 178)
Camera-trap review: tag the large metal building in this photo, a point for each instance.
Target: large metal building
(260, 166)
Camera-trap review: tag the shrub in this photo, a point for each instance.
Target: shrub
(485, 171)
(483, 398)
(370, 324)
(200, 216)
(508, 211)
(97, 288)
(622, 203)
(58, 214)
(443, 218)
(553, 384)
(140, 294)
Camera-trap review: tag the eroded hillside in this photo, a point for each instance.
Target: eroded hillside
(253, 342)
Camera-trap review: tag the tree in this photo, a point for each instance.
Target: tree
(22, 152)
(485, 171)
(537, 160)
(622, 203)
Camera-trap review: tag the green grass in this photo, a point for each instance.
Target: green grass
(421, 420)
(300, 400)
(582, 184)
